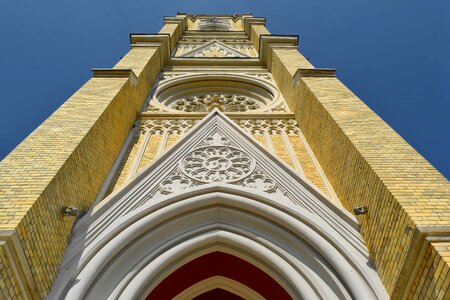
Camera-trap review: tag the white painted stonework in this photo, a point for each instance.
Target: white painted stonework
(216, 190)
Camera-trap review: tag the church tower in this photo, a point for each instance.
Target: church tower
(214, 161)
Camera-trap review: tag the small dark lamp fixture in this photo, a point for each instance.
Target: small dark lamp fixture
(69, 211)
(360, 210)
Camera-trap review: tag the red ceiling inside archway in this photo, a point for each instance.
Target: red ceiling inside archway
(218, 264)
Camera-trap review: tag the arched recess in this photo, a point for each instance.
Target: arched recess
(167, 92)
(218, 270)
(209, 285)
(294, 247)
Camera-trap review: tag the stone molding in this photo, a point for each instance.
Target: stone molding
(256, 86)
(115, 73)
(312, 73)
(160, 40)
(249, 21)
(267, 41)
(177, 20)
(216, 218)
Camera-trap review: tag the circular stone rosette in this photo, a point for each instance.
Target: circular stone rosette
(217, 164)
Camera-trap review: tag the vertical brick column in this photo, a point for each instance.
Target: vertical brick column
(254, 28)
(175, 27)
(370, 165)
(63, 163)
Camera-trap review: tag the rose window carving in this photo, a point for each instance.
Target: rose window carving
(223, 101)
(217, 164)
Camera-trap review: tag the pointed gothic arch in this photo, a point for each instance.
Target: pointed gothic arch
(252, 207)
(295, 248)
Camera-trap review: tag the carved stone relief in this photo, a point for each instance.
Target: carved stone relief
(270, 126)
(163, 126)
(223, 101)
(212, 49)
(228, 92)
(217, 159)
(214, 24)
(217, 164)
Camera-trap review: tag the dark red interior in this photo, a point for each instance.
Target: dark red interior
(218, 264)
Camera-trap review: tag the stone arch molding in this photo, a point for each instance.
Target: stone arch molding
(131, 241)
(238, 92)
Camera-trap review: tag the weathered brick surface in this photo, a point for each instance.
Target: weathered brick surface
(367, 163)
(65, 160)
(8, 284)
(433, 276)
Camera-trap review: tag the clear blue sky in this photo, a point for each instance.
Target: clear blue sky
(393, 54)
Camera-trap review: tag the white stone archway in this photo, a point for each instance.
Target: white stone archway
(252, 206)
(294, 247)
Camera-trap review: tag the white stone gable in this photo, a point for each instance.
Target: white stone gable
(217, 178)
(217, 152)
(213, 49)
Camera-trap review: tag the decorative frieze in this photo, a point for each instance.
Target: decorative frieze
(227, 102)
(270, 126)
(214, 24)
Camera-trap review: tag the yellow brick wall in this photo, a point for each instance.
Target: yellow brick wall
(280, 149)
(173, 30)
(65, 160)
(367, 163)
(9, 288)
(151, 150)
(307, 163)
(122, 171)
(433, 277)
(256, 31)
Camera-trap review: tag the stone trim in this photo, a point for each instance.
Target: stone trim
(115, 73)
(161, 40)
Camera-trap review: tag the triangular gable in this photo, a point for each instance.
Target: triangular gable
(216, 151)
(213, 49)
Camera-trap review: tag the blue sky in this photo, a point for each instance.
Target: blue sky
(393, 54)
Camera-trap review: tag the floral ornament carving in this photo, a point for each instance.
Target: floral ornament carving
(169, 126)
(152, 108)
(280, 108)
(165, 76)
(211, 49)
(259, 181)
(217, 139)
(175, 183)
(271, 126)
(265, 76)
(223, 101)
(217, 164)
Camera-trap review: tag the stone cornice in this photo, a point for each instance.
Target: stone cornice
(115, 73)
(235, 115)
(267, 41)
(161, 40)
(176, 20)
(252, 21)
(312, 73)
